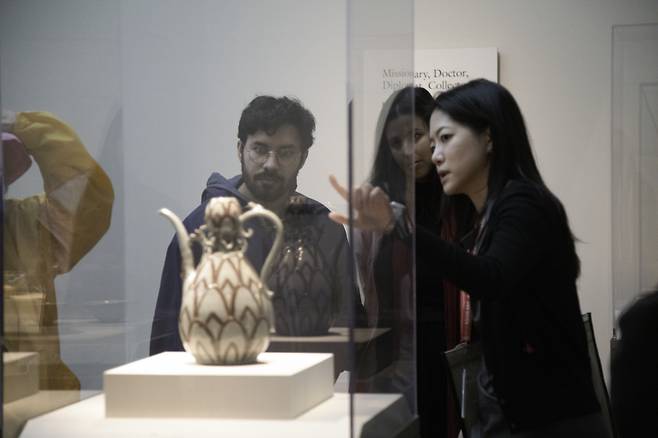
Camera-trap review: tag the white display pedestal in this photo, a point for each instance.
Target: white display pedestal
(365, 343)
(172, 384)
(375, 416)
(19, 412)
(21, 375)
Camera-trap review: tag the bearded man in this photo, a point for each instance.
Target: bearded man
(311, 277)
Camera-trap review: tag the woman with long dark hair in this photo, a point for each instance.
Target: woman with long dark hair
(519, 268)
(404, 174)
(518, 264)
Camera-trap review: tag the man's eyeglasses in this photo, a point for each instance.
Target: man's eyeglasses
(259, 154)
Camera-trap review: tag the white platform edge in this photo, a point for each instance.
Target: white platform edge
(384, 415)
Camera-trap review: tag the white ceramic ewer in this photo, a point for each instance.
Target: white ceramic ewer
(226, 310)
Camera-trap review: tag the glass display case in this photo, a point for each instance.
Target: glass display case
(381, 146)
(634, 163)
(115, 322)
(114, 110)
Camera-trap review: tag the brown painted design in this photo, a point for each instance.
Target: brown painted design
(231, 333)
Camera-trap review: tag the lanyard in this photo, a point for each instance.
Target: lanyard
(466, 314)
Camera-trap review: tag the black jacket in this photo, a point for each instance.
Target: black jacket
(525, 279)
(634, 385)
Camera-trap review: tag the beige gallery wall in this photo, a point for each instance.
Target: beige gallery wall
(555, 57)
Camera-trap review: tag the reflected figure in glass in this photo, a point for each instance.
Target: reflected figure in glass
(47, 234)
(403, 180)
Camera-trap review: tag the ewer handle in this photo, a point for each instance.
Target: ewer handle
(259, 210)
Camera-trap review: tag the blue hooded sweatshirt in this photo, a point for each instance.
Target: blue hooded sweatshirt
(310, 278)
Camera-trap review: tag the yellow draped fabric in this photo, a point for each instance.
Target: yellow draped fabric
(46, 235)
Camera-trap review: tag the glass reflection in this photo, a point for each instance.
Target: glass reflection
(45, 235)
(384, 222)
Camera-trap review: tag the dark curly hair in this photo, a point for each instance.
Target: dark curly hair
(268, 114)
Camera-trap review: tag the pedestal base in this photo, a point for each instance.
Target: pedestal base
(172, 384)
(21, 375)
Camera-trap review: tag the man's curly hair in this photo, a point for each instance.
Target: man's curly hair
(268, 114)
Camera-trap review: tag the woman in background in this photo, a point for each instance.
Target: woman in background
(404, 172)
